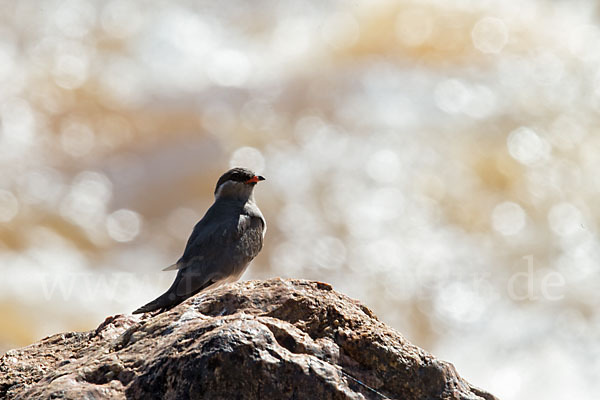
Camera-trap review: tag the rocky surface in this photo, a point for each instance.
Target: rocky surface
(276, 339)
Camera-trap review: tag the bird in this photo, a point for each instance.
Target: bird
(222, 243)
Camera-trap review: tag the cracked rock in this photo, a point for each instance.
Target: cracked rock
(277, 339)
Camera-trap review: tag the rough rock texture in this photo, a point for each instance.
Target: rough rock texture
(276, 339)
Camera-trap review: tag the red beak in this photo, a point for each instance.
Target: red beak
(255, 179)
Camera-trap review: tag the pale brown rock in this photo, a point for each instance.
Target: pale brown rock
(275, 339)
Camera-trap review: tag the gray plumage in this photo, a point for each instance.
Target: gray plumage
(222, 243)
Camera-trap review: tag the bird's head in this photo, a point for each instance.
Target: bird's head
(237, 183)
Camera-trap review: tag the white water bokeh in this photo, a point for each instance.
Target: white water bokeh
(436, 160)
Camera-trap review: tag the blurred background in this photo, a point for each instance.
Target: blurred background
(437, 160)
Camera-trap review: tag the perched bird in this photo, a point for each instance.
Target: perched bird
(222, 243)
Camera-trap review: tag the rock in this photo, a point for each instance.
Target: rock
(275, 339)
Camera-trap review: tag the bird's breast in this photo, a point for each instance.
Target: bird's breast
(251, 210)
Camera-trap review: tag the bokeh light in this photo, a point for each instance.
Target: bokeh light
(508, 218)
(9, 206)
(123, 225)
(490, 35)
(436, 160)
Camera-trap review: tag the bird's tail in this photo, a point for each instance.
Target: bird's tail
(172, 296)
(164, 302)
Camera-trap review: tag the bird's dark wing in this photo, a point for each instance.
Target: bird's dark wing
(219, 249)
